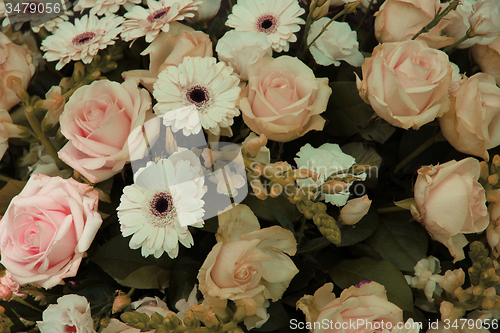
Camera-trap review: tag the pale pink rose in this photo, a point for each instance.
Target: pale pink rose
(47, 228)
(70, 314)
(459, 25)
(366, 302)
(354, 210)
(451, 202)
(169, 49)
(485, 20)
(493, 230)
(283, 99)
(248, 262)
(97, 121)
(15, 61)
(400, 20)
(471, 124)
(406, 83)
(7, 130)
(242, 49)
(206, 10)
(488, 57)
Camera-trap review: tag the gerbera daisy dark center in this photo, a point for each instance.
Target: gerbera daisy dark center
(197, 95)
(83, 38)
(158, 14)
(161, 204)
(267, 24)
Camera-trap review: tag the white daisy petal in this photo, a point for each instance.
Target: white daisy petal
(278, 19)
(210, 87)
(81, 40)
(153, 214)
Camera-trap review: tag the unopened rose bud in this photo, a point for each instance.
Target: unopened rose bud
(121, 302)
(496, 161)
(478, 290)
(354, 210)
(493, 179)
(487, 304)
(334, 187)
(199, 311)
(484, 170)
(320, 8)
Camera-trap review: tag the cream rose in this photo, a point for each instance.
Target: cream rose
(283, 99)
(97, 120)
(47, 228)
(169, 49)
(241, 49)
(488, 57)
(70, 314)
(406, 83)
(471, 125)
(247, 262)
(15, 61)
(451, 202)
(400, 20)
(366, 301)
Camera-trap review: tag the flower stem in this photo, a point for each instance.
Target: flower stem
(348, 8)
(393, 209)
(35, 126)
(417, 151)
(23, 302)
(460, 41)
(437, 17)
(365, 15)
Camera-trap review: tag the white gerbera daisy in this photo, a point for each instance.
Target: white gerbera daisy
(186, 119)
(278, 19)
(81, 40)
(211, 87)
(101, 7)
(165, 199)
(150, 22)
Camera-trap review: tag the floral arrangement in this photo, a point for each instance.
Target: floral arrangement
(251, 165)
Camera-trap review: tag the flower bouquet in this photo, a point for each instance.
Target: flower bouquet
(251, 165)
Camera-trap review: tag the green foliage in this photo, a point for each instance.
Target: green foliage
(129, 268)
(400, 241)
(352, 234)
(346, 112)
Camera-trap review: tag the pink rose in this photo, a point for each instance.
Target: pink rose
(365, 304)
(451, 202)
(248, 264)
(47, 228)
(471, 124)
(400, 20)
(406, 83)
(488, 57)
(15, 61)
(169, 49)
(283, 99)
(97, 121)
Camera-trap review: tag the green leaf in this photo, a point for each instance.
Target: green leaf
(352, 234)
(129, 267)
(313, 245)
(346, 112)
(98, 295)
(283, 220)
(9, 191)
(352, 272)
(266, 209)
(401, 242)
(379, 131)
(362, 154)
